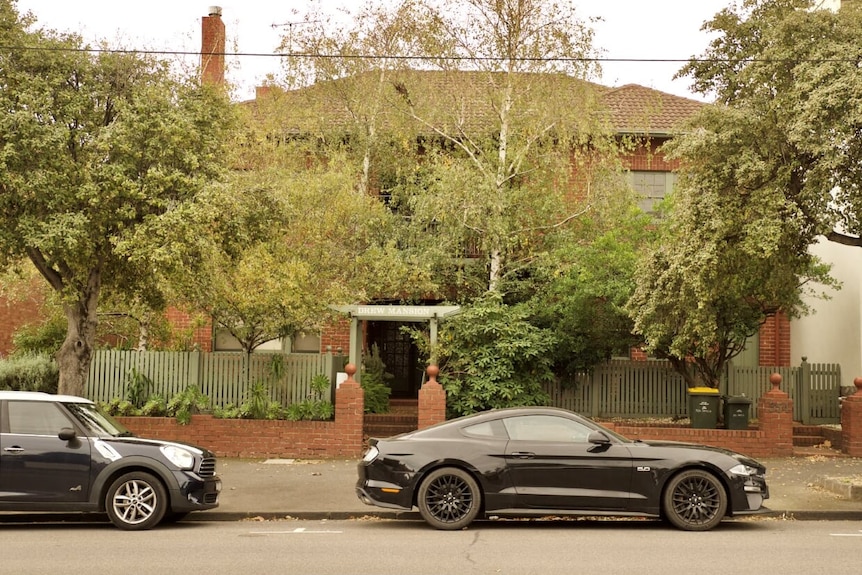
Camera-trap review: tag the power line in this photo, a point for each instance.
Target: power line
(418, 58)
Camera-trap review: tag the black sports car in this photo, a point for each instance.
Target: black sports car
(549, 461)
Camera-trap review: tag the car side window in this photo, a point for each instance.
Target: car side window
(492, 428)
(546, 428)
(35, 418)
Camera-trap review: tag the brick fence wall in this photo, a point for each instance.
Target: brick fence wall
(343, 436)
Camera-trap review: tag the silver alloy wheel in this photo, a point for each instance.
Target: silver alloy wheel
(136, 501)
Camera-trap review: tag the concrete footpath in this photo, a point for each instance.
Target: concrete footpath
(815, 484)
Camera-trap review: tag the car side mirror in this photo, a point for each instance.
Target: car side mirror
(599, 438)
(67, 434)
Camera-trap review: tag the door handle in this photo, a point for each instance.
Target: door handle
(523, 454)
(13, 449)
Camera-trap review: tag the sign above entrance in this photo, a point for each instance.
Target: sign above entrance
(399, 312)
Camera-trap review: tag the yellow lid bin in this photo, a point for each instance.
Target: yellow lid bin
(703, 407)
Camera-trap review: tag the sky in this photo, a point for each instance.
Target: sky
(629, 29)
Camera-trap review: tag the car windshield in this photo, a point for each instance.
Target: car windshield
(96, 421)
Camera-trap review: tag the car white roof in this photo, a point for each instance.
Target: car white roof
(40, 396)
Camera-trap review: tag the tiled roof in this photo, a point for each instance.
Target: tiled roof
(638, 109)
(465, 99)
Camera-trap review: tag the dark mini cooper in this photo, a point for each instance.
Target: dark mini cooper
(62, 454)
(546, 461)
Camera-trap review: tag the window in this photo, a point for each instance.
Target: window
(546, 428)
(36, 418)
(487, 429)
(300, 343)
(652, 187)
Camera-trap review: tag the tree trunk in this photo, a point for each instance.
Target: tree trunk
(73, 357)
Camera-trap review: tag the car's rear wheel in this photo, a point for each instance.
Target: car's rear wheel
(136, 501)
(694, 500)
(449, 498)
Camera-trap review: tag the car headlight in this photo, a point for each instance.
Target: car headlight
(180, 457)
(371, 454)
(742, 469)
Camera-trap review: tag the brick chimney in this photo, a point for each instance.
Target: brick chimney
(212, 47)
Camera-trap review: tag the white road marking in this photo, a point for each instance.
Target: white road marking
(297, 531)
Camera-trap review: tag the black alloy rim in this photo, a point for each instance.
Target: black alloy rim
(449, 498)
(696, 500)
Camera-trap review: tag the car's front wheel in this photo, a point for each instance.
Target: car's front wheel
(694, 500)
(449, 498)
(136, 501)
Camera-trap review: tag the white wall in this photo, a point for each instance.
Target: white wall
(833, 334)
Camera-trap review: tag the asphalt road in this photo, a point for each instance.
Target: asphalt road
(384, 547)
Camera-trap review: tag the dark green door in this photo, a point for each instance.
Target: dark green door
(399, 355)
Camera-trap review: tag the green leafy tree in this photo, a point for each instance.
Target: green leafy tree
(92, 146)
(769, 168)
(466, 117)
(720, 267)
(584, 301)
(787, 120)
(511, 115)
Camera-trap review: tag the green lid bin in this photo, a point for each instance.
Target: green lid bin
(736, 412)
(703, 407)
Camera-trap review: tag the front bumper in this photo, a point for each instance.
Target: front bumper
(195, 493)
(749, 493)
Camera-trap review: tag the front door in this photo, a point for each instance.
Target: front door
(399, 355)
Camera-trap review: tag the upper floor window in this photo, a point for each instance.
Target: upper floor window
(651, 187)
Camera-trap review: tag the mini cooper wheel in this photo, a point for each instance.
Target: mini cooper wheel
(694, 500)
(449, 498)
(136, 501)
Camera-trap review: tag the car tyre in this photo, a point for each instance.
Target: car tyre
(449, 498)
(136, 501)
(694, 500)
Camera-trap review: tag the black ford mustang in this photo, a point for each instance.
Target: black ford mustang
(548, 461)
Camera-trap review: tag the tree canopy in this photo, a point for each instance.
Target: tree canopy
(765, 171)
(93, 145)
(789, 109)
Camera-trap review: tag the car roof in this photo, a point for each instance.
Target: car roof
(40, 396)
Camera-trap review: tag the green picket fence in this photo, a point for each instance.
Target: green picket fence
(651, 389)
(224, 377)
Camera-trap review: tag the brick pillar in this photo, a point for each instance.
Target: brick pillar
(432, 400)
(851, 421)
(349, 414)
(775, 413)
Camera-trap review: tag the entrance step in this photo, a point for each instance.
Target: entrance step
(389, 424)
(809, 436)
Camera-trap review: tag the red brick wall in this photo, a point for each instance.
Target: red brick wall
(775, 341)
(646, 157)
(202, 335)
(851, 422)
(15, 313)
(251, 438)
(335, 336)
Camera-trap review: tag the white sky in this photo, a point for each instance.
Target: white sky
(631, 29)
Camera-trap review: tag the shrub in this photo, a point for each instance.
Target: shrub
(314, 407)
(30, 372)
(186, 403)
(373, 382)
